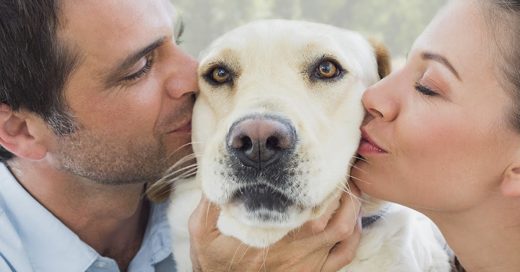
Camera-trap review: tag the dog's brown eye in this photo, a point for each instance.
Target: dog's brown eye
(327, 69)
(220, 75)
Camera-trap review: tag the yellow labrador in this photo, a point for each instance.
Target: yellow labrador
(275, 130)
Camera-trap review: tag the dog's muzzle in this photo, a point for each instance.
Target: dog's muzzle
(261, 148)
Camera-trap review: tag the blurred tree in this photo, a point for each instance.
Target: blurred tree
(397, 23)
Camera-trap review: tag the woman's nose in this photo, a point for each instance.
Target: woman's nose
(380, 100)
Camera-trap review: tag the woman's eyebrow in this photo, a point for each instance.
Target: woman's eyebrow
(441, 60)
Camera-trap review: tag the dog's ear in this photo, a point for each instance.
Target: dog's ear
(384, 64)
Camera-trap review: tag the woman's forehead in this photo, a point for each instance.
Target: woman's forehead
(460, 34)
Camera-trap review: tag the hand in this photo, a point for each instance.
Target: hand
(326, 244)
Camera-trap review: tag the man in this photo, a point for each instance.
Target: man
(96, 101)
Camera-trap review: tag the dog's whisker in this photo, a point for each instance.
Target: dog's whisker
(184, 159)
(264, 262)
(179, 149)
(207, 215)
(180, 163)
(244, 254)
(351, 195)
(233, 258)
(197, 142)
(192, 143)
(164, 184)
(361, 159)
(343, 188)
(173, 174)
(358, 179)
(355, 198)
(366, 201)
(358, 168)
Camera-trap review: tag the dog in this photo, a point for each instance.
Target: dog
(275, 132)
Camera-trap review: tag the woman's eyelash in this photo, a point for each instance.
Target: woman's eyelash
(424, 90)
(143, 71)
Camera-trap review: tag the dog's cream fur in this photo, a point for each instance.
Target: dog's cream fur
(271, 65)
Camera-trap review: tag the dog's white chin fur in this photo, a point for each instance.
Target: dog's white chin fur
(254, 236)
(255, 232)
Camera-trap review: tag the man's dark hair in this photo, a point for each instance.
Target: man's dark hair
(34, 66)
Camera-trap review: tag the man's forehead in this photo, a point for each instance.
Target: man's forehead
(113, 18)
(104, 33)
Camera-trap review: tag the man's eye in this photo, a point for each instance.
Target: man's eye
(146, 67)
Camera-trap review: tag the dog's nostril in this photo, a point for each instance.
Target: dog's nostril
(241, 142)
(247, 144)
(272, 143)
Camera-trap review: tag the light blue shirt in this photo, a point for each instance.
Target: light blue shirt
(33, 240)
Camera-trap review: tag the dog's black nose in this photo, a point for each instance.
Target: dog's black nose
(259, 141)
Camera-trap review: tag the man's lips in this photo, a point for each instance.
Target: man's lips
(368, 146)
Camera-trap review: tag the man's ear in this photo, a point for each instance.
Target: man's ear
(16, 136)
(384, 64)
(510, 185)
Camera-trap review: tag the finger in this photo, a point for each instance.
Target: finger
(352, 188)
(343, 222)
(318, 225)
(203, 220)
(344, 252)
(338, 220)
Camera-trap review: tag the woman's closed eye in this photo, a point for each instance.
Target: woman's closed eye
(425, 90)
(431, 83)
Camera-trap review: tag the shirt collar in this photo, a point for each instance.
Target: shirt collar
(156, 244)
(45, 238)
(51, 246)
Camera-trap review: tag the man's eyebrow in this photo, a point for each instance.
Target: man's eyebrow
(130, 60)
(442, 60)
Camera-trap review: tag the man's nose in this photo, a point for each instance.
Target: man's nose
(183, 78)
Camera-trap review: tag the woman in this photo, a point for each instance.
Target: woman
(443, 133)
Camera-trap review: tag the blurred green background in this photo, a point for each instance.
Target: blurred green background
(395, 22)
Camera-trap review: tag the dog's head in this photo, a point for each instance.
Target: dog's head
(276, 123)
